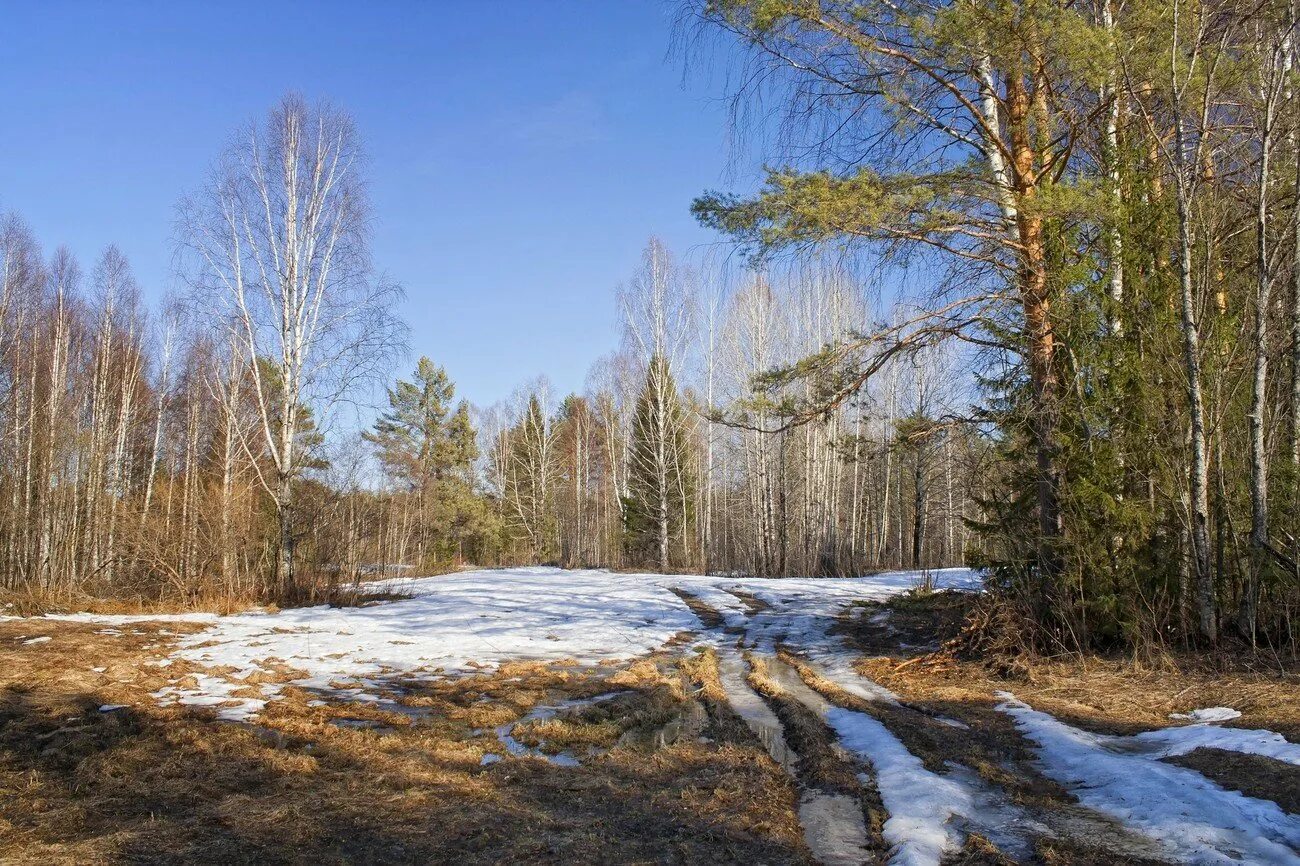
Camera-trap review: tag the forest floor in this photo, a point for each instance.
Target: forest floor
(537, 715)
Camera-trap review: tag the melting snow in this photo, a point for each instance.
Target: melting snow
(474, 621)
(1168, 742)
(1208, 714)
(1194, 819)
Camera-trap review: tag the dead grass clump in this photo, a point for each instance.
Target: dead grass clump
(701, 669)
(646, 674)
(978, 851)
(563, 734)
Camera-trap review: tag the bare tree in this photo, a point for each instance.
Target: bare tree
(658, 317)
(280, 246)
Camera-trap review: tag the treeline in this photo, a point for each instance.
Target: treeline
(642, 470)
(1091, 206)
(138, 463)
(180, 456)
(198, 453)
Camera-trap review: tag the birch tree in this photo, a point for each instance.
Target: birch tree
(279, 242)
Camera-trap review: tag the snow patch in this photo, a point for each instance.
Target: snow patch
(1195, 820)
(1208, 714)
(921, 804)
(474, 621)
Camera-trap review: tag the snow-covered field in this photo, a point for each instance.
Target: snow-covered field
(475, 621)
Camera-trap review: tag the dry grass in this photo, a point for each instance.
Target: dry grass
(37, 602)
(1118, 695)
(34, 602)
(171, 784)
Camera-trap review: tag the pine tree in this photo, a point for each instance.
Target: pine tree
(431, 450)
(410, 434)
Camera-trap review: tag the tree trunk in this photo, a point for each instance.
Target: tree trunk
(284, 515)
(1198, 465)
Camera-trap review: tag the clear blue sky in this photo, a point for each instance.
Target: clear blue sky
(521, 152)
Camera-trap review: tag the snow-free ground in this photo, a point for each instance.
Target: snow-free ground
(875, 777)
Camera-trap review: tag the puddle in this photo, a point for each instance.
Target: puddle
(505, 733)
(833, 826)
(687, 724)
(756, 714)
(363, 725)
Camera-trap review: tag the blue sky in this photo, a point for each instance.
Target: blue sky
(521, 152)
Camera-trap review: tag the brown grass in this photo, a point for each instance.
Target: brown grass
(1107, 694)
(37, 602)
(170, 784)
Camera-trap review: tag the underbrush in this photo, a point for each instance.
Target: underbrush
(37, 601)
(964, 646)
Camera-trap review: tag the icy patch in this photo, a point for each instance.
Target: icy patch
(1168, 742)
(1195, 820)
(33, 640)
(1208, 714)
(833, 828)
